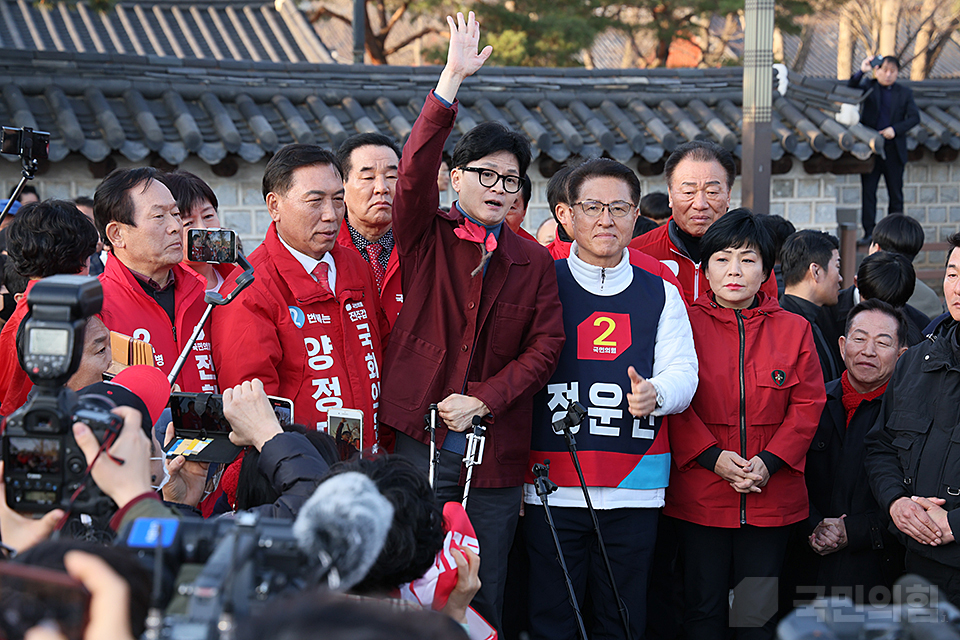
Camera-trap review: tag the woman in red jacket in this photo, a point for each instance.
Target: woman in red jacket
(738, 451)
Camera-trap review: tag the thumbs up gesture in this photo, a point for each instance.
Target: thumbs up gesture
(643, 395)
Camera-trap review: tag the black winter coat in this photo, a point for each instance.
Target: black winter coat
(837, 484)
(914, 447)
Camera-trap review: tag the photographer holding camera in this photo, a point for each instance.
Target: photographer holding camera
(45, 239)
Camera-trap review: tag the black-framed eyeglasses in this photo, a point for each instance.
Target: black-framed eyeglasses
(617, 209)
(489, 178)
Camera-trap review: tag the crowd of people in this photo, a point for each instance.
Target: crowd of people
(749, 425)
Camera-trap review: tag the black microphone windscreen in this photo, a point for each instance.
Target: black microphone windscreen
(344, 524)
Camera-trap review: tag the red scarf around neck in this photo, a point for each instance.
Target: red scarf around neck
(852, 398)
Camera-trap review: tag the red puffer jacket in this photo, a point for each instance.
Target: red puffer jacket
(760, 390)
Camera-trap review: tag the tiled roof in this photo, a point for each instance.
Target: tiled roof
(96, 105)
(187, 29)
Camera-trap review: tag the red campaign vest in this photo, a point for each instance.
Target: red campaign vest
(391, 297)
(319, 350)
(127, 309)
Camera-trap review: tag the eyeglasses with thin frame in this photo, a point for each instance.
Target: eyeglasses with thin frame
(617, 209)
(489, 178)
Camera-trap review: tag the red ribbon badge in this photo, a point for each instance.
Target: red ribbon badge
(473, 232)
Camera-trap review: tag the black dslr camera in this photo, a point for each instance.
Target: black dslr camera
(42, 465)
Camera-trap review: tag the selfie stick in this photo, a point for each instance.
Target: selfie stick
(431, 420)
(30, 165)
(212, 298)
(474, 455)
(545, 487)
(576, 412)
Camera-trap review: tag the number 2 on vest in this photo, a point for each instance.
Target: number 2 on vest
(601, 340)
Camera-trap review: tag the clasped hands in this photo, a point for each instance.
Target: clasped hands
(923, 519)
(829, 536)
(745, 476)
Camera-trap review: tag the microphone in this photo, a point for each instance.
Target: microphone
(344, 524)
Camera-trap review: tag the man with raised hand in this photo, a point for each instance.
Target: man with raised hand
(481, 329)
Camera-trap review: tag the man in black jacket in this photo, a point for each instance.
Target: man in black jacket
(811, 276)
(889, 108)
(848, 550)
(913, 451)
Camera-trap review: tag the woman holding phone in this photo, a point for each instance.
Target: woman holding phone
(739, 449)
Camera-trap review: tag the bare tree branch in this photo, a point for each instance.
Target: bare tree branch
(382, 14)
(408, 40)
(395, 18)
(324, 12)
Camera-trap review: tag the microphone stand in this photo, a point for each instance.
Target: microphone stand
(545, 486)
(431, 420)
(576, 412)
(474, 454)
(212, 298)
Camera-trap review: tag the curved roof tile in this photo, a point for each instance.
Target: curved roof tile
(94, 103)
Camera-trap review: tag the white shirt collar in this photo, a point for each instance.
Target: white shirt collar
(309, 264)
(601, 281)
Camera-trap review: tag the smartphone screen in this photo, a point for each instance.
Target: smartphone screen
(283, 409)
(198, 412)
(211, 245)
(31, 595)
(346, 427)
(204, 412)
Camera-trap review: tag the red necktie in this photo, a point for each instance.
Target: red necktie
(373, 253)
(320, 272)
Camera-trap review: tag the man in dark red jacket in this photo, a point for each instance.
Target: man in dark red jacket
(370, 162)
(481, 329)
(310, 327)
(699, 176)
(146, 293)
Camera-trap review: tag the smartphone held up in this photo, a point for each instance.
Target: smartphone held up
(212, 245)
